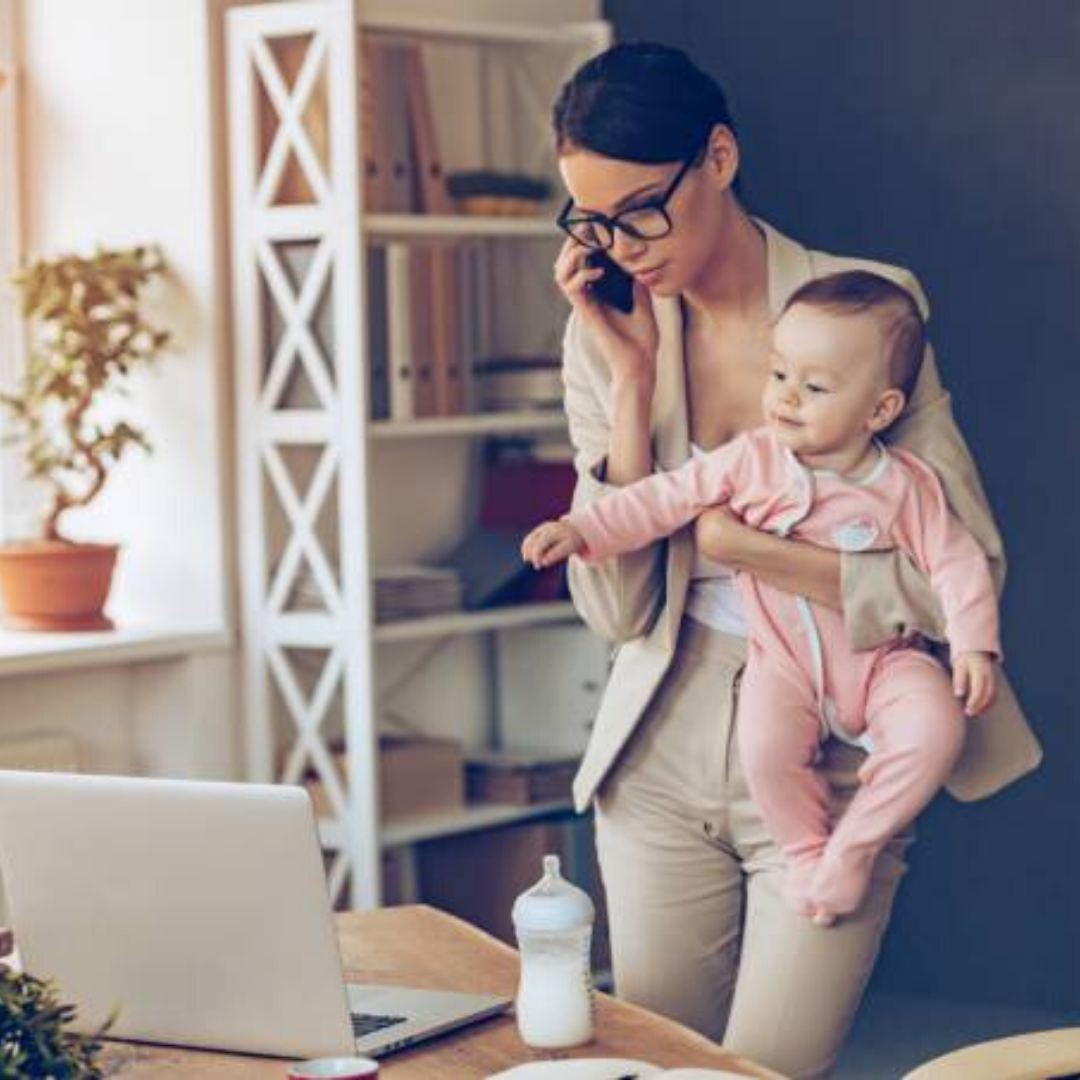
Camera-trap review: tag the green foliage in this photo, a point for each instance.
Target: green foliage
(87, 333)
(34, 1044)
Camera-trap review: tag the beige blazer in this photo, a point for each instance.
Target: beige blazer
(637, 600)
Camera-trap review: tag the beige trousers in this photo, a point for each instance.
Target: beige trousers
(699, 928)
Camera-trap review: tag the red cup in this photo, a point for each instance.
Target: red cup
(335, 1068)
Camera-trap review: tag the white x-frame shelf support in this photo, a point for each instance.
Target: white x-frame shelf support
(328, 428)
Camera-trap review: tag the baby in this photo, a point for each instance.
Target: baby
(845, 354)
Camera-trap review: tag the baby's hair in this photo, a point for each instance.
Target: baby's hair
(852, 292)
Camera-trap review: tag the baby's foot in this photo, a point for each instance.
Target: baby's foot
(798, 882)
(840, 885)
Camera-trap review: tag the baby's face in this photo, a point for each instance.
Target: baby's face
(828, 372)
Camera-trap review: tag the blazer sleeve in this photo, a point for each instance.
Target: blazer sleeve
(620, 598)
(951, 556)
(885, 594)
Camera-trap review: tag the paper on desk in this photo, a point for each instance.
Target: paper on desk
(608, 1069)
(580, 1069)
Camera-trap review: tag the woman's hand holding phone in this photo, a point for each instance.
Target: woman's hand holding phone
(628, 340)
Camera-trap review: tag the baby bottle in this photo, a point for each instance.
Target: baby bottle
(553, 921)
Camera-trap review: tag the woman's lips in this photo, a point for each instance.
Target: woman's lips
(649, 274)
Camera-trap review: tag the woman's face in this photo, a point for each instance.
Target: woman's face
(697, 209)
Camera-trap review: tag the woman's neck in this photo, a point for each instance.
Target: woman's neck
(736, 280)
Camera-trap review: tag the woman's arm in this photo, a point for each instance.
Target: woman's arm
(621, 597)
(792, 566)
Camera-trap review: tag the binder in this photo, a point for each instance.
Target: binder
(448, 352)
(399, 332)
(433, 197)
(376, 151)
(425, 330)
(444, 307)
(394, 112)
(378, 339)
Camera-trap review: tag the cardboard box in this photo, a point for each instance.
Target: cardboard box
(519, 777)
(417, 775)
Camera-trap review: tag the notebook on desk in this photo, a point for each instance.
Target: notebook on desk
(608, 1069)
(200, 911)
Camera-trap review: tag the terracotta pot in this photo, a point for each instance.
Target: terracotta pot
(56, 585)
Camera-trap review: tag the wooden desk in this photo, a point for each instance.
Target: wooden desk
(419, 946)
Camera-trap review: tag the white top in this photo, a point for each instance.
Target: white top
(712, 598)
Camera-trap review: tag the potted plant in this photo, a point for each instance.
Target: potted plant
(87, 333)
(34, 1040)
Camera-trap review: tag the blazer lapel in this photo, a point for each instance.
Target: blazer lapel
(788, 265)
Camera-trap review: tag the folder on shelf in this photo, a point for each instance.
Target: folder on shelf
(376, 155)
(399, 332)
(389, 179)
(378, 336)
(433, 197)
(424, 330)
(443, 307)
(489, 565)
(448, 351)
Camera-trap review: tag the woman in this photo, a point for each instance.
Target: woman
(699, 928)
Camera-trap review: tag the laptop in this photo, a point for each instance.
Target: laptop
(200, 911)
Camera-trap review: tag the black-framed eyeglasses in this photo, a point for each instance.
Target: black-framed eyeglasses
(646, 221)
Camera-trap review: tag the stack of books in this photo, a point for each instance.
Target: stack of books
(411, 592)
(510, 383)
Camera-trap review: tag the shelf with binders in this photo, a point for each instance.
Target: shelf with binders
(458, 228)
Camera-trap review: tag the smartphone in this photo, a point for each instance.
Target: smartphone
(616, 287)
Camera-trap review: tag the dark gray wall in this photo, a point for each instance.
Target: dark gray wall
(946, 138)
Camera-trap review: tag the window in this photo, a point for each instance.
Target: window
(10, 233)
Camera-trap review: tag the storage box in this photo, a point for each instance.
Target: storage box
(550, 682)
(417, 775)
(519, 777)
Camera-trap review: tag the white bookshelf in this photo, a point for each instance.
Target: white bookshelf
(309, 464)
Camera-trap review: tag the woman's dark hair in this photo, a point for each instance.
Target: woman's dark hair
(639, 102)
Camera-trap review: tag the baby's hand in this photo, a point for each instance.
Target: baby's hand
(550, 543)
(975, 680)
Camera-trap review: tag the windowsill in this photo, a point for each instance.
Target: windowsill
(23, 653)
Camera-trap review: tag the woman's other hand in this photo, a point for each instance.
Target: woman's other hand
(723, 538)
(628, 342)
(793, 566)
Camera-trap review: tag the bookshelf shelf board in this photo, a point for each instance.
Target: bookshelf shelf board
(466, 819)
(475, 622)
(457, 226)
(508, 423)
(474, 31)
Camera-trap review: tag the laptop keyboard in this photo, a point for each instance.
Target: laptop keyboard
(368, 1023)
